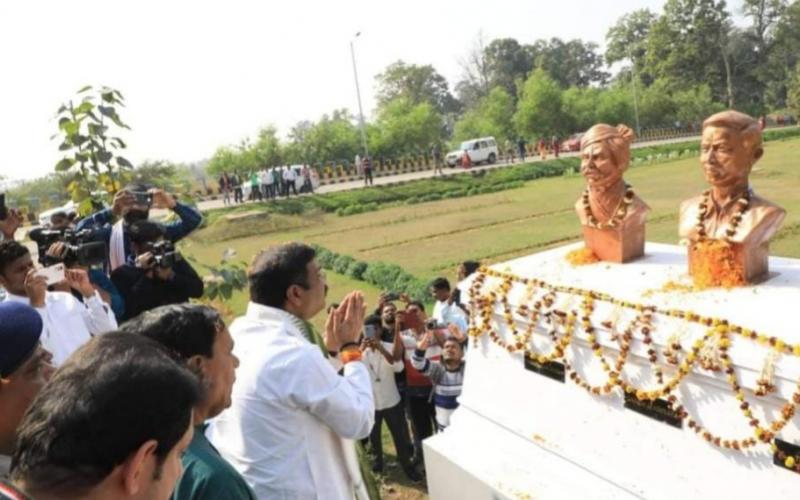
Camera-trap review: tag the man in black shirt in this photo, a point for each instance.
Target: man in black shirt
(159, 276)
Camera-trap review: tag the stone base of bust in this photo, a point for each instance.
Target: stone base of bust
(753, 260)
(622, 244)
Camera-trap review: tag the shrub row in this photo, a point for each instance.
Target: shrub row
(387, 277)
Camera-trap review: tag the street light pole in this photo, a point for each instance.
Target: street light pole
(635, 100)
(358, 94)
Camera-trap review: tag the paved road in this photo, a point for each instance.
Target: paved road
(426, 174)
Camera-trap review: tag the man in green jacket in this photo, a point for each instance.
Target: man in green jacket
(197, 334)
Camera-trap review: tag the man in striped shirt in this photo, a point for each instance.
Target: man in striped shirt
(447, 375)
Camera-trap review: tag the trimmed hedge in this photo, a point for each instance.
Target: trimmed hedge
(388, 277)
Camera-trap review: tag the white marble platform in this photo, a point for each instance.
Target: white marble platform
(519, 434)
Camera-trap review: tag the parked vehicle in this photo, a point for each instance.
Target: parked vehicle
(573, 143)
(483, 150)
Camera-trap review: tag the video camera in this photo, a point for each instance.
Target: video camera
(79, 251)
(164, 254)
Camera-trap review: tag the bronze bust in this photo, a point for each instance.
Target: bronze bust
(611, 214)
(730, 211)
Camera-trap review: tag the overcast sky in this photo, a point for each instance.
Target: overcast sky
(197, 75)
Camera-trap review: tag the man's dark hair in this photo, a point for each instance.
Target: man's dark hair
(186, 329)
(111, 396)
(145, 231)
(277, 268)
(470, 266)
(417, 303)
(440, 284)
(9, 252)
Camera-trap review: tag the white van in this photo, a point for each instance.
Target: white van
(483, 150)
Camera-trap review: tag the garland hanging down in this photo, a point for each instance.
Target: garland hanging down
(538, 306)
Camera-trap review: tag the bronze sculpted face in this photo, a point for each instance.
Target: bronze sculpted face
(727, 157)
(599, 166)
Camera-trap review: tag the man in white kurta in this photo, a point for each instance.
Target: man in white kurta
(292, 415)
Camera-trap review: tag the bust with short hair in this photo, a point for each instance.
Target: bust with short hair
(730, 211)
(611, 214)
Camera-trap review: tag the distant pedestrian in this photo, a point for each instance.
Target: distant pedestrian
(466, 161)
(255, 187)
(367, 171)
(556, 145)
(521, 148)
(289, 177)
(542, 149)
(277, 181)
(236, 183)
(307, 185)
(266, 183)
(437, 159)
(225, 188)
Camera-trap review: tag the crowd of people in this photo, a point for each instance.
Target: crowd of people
(267, 184)
(260, 409)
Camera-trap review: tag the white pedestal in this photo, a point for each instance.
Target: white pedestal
(519, 434)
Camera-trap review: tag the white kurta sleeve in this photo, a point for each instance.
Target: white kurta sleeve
(344, 403)
(99, 318)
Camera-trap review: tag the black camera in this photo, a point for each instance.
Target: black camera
(79, 249)
(143, 198)
(164, 254)
(392, 296)
(432, 324)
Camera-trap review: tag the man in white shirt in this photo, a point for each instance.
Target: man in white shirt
(292, 417)
(446, 310)
(289, 176)
(377, 347)
(68, 322)
(266, 183)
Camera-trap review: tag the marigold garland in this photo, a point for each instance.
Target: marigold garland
(714, 264)
(710, 351)
(582, 257)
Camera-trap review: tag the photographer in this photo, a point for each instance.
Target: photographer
(158, 276)
(410, 328)
(447, 375)
(376, 347)
(130, 205)
(68, 323)
(10, 220)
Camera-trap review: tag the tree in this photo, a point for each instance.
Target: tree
(794, 93)
(685, 45)
(492, 117)
(627, 40)
(333, 137)
(573, 63)
(539, 109)
(579, 106)
(474, 84)
(507, 63)
(405, 128)
(783, 57)
(417, 84)
(91, 152)
(267, 151)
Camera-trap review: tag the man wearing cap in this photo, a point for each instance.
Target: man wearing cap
(68, 322)
(24, 369)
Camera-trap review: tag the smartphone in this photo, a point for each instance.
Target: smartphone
(143, 198)
(370, 331)
(53, 274)
(392, 296)
(409, 321)
(3, 209)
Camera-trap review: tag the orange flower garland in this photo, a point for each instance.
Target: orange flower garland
(582, 257)
(714, 263)
(564, 323)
